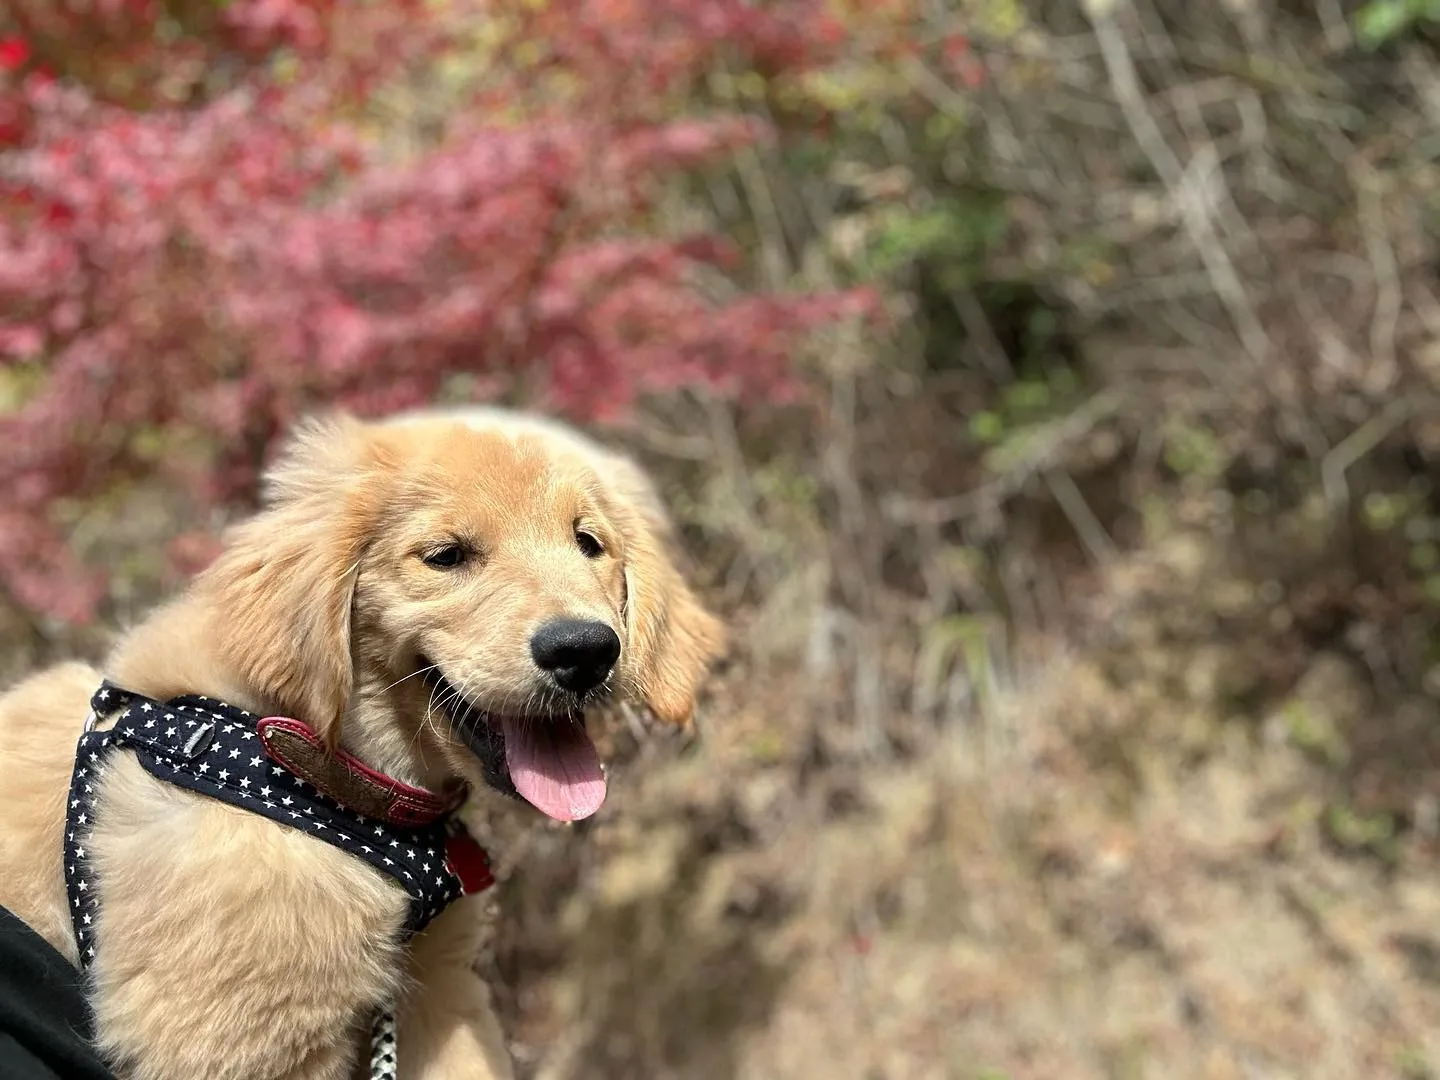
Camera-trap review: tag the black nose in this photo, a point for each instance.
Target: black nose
(578, 653)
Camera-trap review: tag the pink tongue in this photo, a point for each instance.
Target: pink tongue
(554, 766)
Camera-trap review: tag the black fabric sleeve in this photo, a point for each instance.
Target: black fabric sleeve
(44, 1021)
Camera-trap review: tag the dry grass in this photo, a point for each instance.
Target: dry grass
(1143, 885)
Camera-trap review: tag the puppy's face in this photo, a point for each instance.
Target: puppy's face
(498, 578)
(479, 588)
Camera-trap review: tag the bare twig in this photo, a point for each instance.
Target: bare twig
(1356, 445)
(1389, 295)
(978, 329)
(770, 225)
(1125, 85)
(1087, 526)
(1338, 37)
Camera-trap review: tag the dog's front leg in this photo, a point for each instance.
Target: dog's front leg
(446, 1028)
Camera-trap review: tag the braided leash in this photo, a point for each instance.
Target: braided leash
(383, 1057)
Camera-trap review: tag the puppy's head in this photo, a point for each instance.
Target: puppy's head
(470, 589)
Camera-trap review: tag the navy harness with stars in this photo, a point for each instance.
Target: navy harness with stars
(219, 750)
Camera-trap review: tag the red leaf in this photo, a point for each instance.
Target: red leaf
(14, 51)
(226, 266)
(21, 341)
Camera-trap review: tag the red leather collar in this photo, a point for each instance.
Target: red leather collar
(348, 780)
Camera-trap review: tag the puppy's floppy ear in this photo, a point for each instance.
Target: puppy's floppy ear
(282, 590)
(673, 638)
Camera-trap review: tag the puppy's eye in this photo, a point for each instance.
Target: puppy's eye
(589, 545)
(447, 557)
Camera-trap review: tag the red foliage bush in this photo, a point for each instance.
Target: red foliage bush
(191, 243)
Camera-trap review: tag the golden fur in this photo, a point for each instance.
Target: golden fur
(317, 608)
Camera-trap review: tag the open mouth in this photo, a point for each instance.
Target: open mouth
(549, 761)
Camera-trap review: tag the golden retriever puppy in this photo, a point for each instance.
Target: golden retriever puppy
(440, 595)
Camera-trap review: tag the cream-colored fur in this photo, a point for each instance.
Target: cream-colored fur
(230, 947)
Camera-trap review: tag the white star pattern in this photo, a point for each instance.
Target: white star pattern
(406, 853)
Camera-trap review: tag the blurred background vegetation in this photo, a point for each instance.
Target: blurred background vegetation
(1083, 718)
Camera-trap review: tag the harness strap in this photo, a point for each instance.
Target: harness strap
(216, 749)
